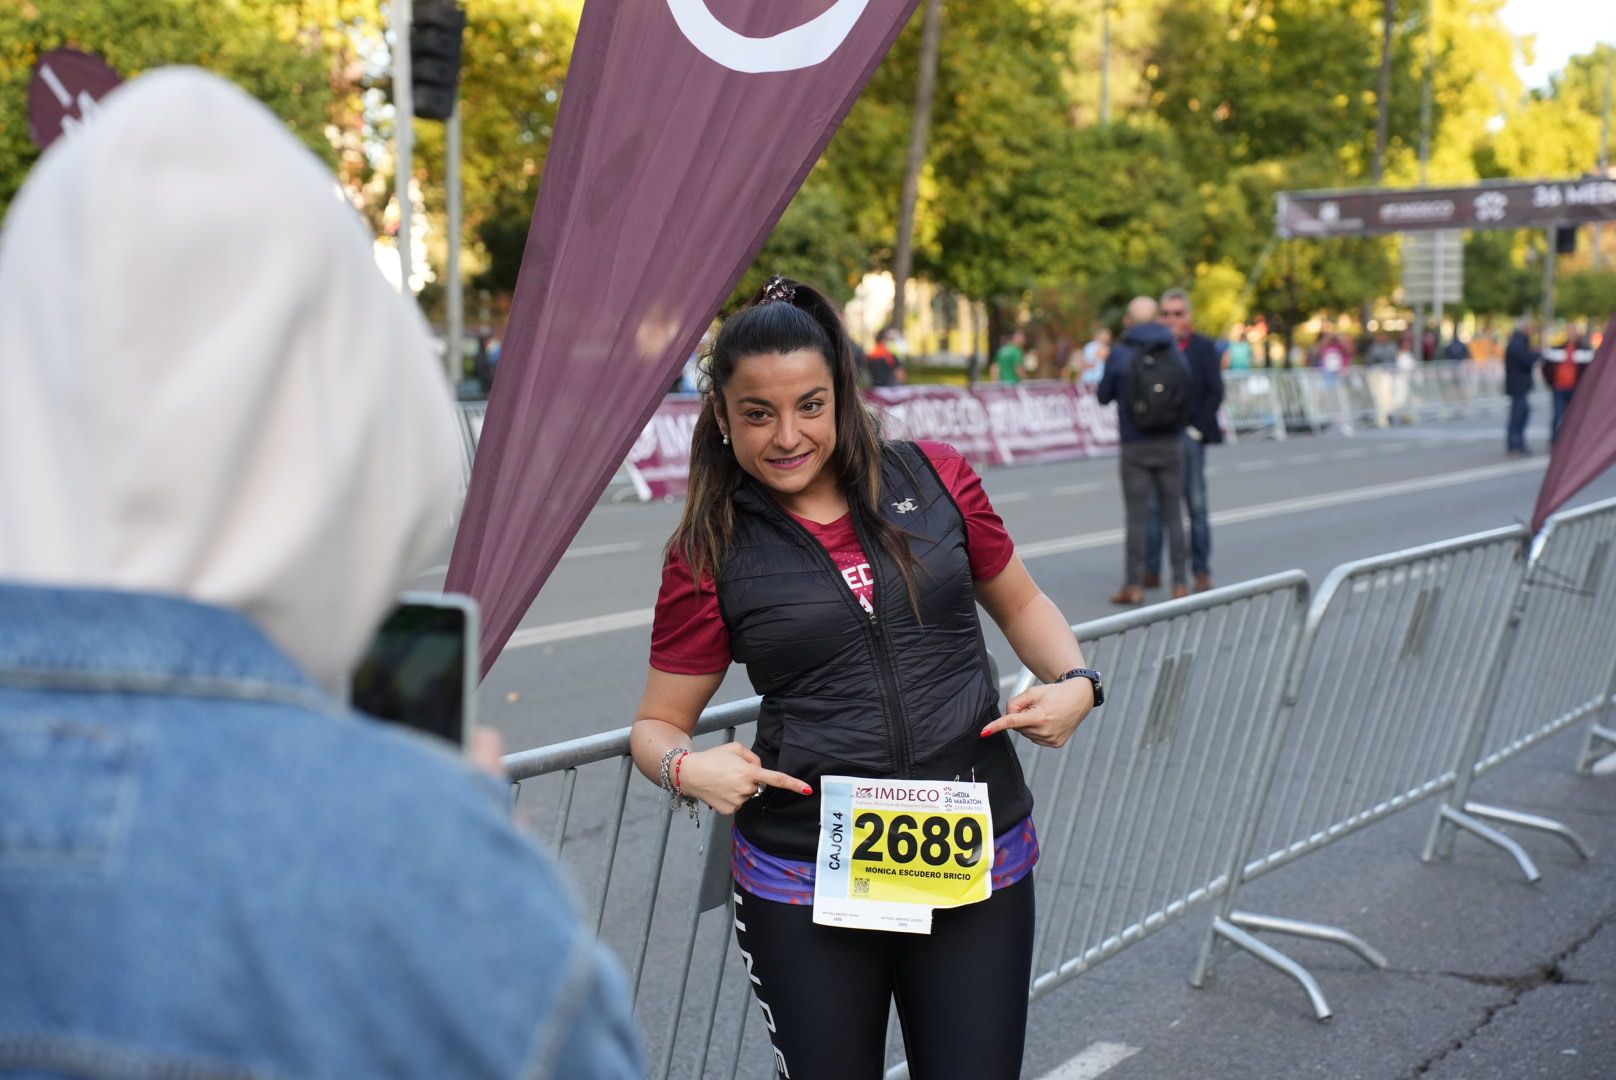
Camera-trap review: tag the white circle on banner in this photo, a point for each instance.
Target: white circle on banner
(800, 47)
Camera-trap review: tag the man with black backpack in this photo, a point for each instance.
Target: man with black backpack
(1148, 378)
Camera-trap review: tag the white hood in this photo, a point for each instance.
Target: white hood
(207, 388)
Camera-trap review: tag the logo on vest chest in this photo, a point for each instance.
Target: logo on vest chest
(906, 507)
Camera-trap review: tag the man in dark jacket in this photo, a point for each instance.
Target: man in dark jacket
(1152, 464)
(1203, 430)
(1519, 359)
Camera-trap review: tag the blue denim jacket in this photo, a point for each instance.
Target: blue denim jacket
(209, 869)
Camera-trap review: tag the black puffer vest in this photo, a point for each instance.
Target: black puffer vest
(851, 695)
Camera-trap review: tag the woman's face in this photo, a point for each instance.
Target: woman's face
(780, 415)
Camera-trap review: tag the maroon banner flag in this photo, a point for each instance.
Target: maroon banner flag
(1587, 443)
(63, 93)
(685, 128)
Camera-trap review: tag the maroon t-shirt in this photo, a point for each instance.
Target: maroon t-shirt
(688, 636)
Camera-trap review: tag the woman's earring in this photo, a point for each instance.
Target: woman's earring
(726, 438)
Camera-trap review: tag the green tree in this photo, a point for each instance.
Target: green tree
(1276, 79)
(284, 58)
(1497, 277)
(1005, 212)
(513, 73)
(816, 242)
(1590, 295)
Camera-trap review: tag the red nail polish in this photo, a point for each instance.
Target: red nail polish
(985, 733)
(807, 791)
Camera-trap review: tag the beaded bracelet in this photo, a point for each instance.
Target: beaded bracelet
(675, 759)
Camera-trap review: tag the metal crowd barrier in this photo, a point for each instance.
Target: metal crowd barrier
(472, 414)
(1382, 693)
(1271, 401)
(1247, 728)
(1135, 813)
(1556, 666)
(1251, 405)
(649, 881)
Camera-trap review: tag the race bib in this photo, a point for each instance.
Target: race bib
(892, 850)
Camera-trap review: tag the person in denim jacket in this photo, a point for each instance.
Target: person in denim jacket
(224, 446)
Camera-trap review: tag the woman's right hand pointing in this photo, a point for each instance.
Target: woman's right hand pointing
(726, 776)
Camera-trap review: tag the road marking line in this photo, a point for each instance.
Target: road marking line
(603, 549)
(1349, 455)
(1293, 506)
(1080, 489)
(628, 620)
(1097, 1059)
(577, 628)
(1254, 466)
(1012, 497)
(571, 553)
(1305, 459)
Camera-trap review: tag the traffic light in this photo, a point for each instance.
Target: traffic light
(435, 33)
(1565, 239)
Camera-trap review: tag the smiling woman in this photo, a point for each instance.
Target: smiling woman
(844, 572)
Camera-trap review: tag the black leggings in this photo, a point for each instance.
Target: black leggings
(961, 990)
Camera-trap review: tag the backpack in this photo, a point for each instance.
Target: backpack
(1158, 392)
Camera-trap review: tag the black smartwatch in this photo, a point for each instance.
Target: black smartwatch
(1092, 676)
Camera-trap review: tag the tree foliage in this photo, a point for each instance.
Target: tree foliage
(1026, 202)
(291, 60)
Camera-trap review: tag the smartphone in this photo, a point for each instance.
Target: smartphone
(420, 670)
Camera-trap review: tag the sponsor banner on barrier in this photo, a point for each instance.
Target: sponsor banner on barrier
(989, 425)
(948, 414)
(659, 463)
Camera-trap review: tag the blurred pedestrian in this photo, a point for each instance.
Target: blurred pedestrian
(1335, 355)
(1382, 351)
(1562, 376)
(1011, 359)
(1150, 382)
(844, 571)
(1095, 350)
(224, 447)
(883, 363)
(1456, 349)
(1203, 430)
(1239, 353)
(1519, 360)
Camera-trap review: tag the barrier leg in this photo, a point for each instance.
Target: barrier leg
(1316, 931)
(1598, 736)
(1275, 959)
(1532, 821)
(1449, 821)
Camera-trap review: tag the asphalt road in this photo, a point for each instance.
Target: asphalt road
(1488, 978)
(577, 665)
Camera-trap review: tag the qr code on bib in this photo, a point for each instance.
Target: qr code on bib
(861, 887)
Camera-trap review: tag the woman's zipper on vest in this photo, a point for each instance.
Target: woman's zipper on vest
(886, 668)
(889, 690)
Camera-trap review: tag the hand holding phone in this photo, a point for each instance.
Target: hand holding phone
(420, 669)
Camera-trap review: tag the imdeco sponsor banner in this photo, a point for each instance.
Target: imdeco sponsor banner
(685, 128)
(990, 425)
(945, 413)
